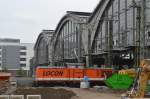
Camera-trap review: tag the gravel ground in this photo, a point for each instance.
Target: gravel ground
(70, 93)
(4, 86)
(46, 93)
(94, 94)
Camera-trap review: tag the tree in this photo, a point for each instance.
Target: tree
(5, 69)
(21, 72)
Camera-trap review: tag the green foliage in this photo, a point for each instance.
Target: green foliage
(148, 88)
(5, 69)
(21, 72)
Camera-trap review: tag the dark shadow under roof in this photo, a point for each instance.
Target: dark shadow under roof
(79, 13)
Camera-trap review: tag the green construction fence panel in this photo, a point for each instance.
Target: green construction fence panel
(119, 81)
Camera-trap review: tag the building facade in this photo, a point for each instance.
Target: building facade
(68, 39)
(117, 30)
(15, 56)
(116, 33)
(41, 48)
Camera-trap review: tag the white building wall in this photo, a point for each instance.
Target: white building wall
(29, 54)
(0, 59)
(16, 42)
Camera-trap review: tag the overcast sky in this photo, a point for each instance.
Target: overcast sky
(24, 19)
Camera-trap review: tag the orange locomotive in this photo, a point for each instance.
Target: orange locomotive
(69, 75)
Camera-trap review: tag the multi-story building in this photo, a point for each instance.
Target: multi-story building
(27, 48)
(15, 56)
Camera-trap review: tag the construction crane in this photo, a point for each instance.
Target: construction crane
(142, 75)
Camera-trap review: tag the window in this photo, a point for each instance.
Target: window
(148, 33)
(23, 48)
(23, 65)
(22, 59)
(22, 53)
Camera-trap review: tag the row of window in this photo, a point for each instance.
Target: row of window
(21, 53)
(22, 48)
(69, 42)
(123, 25)
(21, 59)
(21, 65)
